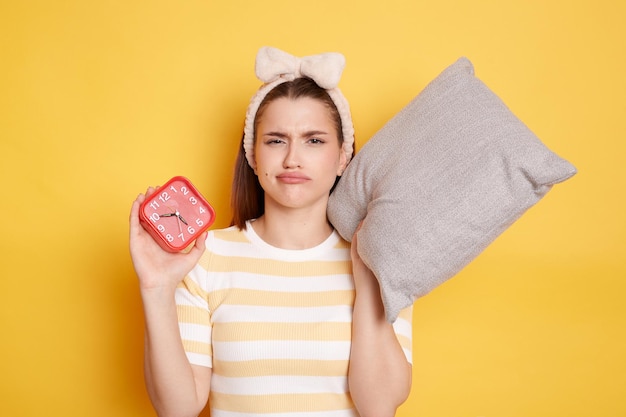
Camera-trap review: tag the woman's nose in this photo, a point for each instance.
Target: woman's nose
(292, 158)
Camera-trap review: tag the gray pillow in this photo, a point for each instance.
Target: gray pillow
(438, 183)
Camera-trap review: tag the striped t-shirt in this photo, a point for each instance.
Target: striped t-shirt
(274, 324)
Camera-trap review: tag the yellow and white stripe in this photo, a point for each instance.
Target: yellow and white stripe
(274, 324)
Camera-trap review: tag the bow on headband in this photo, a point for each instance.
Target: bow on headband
(274, 67)
(325, 69)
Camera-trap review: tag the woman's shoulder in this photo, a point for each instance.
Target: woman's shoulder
(231, 233)
(226, 240)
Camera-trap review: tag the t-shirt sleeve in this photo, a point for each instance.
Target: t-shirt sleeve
(403, 326)
(194, 317)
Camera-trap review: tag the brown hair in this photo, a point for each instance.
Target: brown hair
(248, 198)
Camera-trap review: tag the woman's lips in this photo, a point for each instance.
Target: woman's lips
(292, 178)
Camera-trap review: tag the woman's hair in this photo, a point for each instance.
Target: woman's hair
(248, 198)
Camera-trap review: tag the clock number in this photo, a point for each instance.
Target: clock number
(185, 190)
(199, 222)
(164, 196)
(161, 228)
(202, 210)
(154, 205)
(173, 188)
(169, 237)
(191, 230)
(182, 237)
(193, 200)
(155, 217)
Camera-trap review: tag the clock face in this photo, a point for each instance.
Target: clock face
(176, 214)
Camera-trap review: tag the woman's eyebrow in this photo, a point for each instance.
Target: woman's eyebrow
(276, 134)
(315, 133)
(285, 135)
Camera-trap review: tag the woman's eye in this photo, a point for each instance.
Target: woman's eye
(273, 141)
(316, 140)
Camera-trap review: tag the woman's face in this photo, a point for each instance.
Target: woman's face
(298, 155)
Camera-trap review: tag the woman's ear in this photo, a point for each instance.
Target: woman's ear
(343, 162)
(254, 168)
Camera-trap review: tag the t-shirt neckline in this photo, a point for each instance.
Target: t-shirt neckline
(329, 243)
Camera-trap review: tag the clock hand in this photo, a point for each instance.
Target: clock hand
(177, 214)
(173, 212)
(168, 215)
(180, 228)
(178, 217)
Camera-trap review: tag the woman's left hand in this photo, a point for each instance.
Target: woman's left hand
(379, 374)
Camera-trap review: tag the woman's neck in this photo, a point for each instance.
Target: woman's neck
(293, 230)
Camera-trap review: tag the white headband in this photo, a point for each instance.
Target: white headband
(275, 67)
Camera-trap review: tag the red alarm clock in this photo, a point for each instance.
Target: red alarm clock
(175, 214)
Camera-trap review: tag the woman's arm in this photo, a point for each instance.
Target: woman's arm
(379, 375)
(176, 387)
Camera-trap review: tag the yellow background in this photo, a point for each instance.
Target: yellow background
(100, 99)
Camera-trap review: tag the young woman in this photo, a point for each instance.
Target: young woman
(276, 315)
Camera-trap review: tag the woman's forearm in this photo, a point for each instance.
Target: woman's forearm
(170, 379)
(379, 375)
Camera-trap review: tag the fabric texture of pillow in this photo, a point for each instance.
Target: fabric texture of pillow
(438, 183)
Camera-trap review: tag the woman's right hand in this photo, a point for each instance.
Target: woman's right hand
(156, 268)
